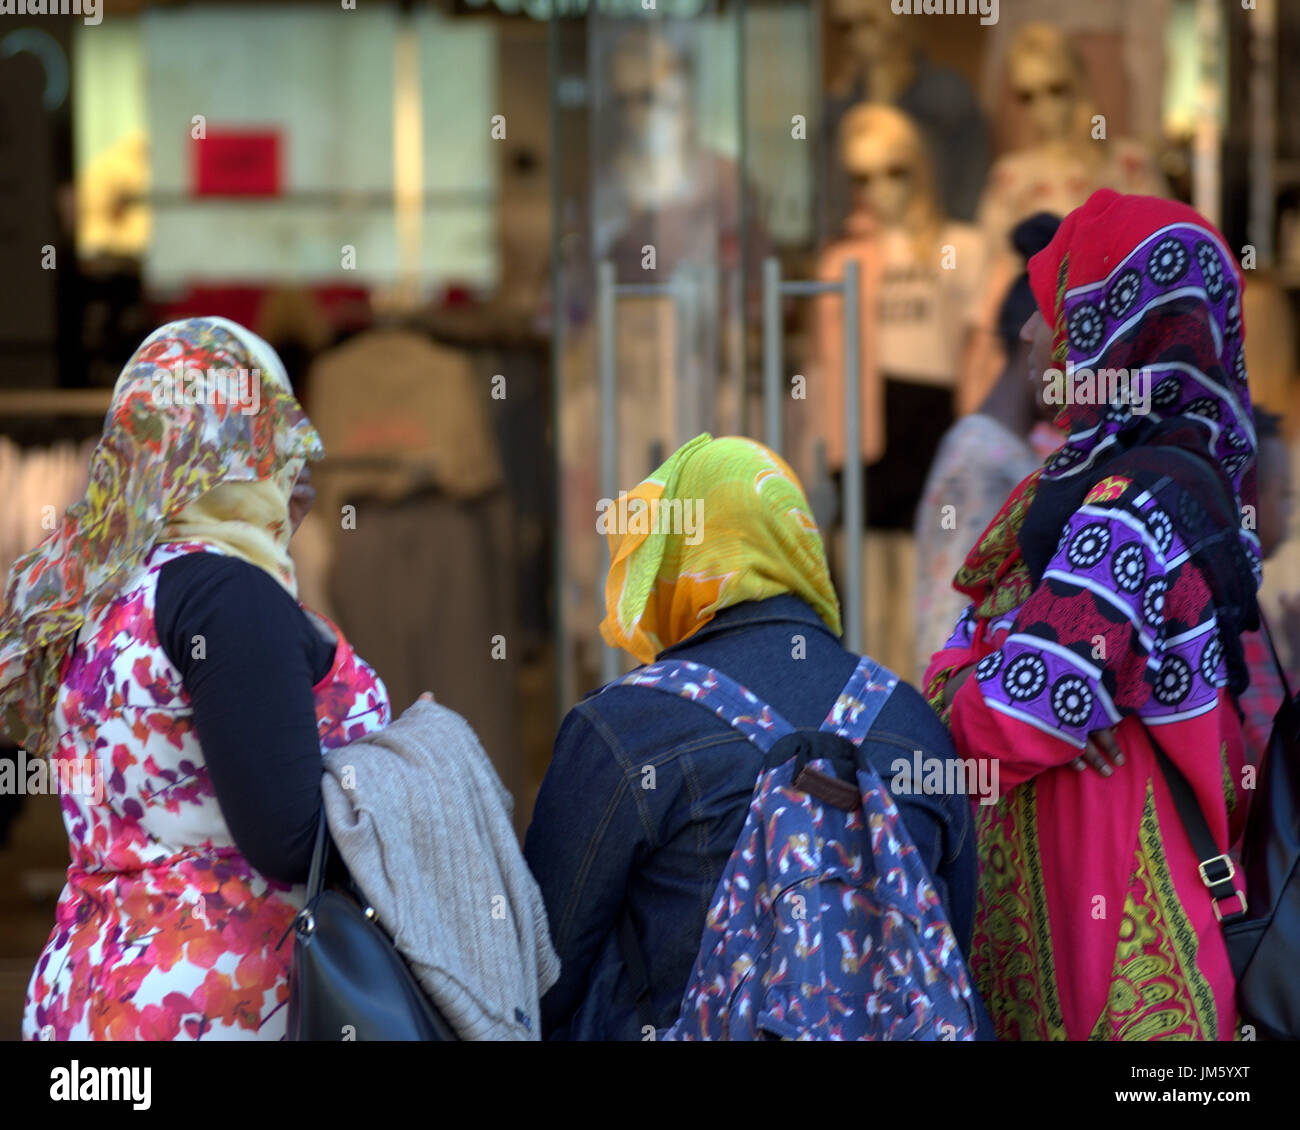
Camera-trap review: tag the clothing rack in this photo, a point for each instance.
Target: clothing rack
(94, 402)
(41, 417)
(392, 462)
(55, 402)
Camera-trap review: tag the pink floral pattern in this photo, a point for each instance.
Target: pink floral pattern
(164, 931)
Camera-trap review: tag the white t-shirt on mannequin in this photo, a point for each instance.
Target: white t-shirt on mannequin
(925, 308)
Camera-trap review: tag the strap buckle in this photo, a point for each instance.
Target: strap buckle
(1222, 858)
(1212, 883)
(1239, 911)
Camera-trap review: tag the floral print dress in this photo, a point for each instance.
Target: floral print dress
(163, 930)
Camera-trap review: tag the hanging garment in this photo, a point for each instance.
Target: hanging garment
(422, 574)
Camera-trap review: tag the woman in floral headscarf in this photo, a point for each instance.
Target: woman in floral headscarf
(1108, 597)
(153, 649)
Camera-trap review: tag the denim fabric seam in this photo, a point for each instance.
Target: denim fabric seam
(597, 837)
(693, 745)
(627, 771)
(697, 818)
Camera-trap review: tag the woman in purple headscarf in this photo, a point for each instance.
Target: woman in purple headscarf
(1108, 597)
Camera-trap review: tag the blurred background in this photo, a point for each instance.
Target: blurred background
(513, 254)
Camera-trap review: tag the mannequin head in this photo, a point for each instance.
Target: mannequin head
(1046, 78)
(650, 87)
(889, 164)
(871, 32)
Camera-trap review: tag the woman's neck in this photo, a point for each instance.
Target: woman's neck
(1008, 405)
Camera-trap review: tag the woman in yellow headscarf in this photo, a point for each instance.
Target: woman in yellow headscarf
(721, 522)
(154, 654)
(715, 562)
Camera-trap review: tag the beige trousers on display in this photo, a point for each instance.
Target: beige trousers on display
(888, 583)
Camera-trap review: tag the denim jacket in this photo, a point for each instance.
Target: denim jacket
(609, 837)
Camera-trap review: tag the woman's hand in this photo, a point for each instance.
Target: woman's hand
(1100, 752)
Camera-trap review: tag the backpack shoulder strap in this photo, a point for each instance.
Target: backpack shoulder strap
(860, 702)
(721, 695)
(851, 716)
(745, 713)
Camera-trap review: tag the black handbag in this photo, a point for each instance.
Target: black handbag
(1263, 932)
(348, 981)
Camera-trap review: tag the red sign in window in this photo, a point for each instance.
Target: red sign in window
(237, 163)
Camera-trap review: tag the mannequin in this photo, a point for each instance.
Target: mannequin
(883, 62)
(1061, 167)
(1271, 346)
(665, 207)
(656, 159)
(1064, 163)
(656, 181)
(918, 275)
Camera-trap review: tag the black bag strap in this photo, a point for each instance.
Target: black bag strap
(637, 973)
(1216, 868)
(316, 875)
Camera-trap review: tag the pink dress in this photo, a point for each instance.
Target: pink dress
(164, 931)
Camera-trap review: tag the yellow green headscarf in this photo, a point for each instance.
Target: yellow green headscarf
(723, 521)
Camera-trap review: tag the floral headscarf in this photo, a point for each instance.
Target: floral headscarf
(166, 443)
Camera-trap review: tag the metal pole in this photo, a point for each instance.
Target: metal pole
(1207, 183)
(853, 518)
(709, 337)
(685, 305)
(1263, 132)
(565, 691)
(740, 366)
(772, 353)
(823, 157)
(606, 337)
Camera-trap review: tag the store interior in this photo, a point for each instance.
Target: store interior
(551, 231)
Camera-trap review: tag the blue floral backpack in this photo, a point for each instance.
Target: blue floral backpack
(825, 924)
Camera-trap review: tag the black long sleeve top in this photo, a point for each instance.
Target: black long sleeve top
(249, 659)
